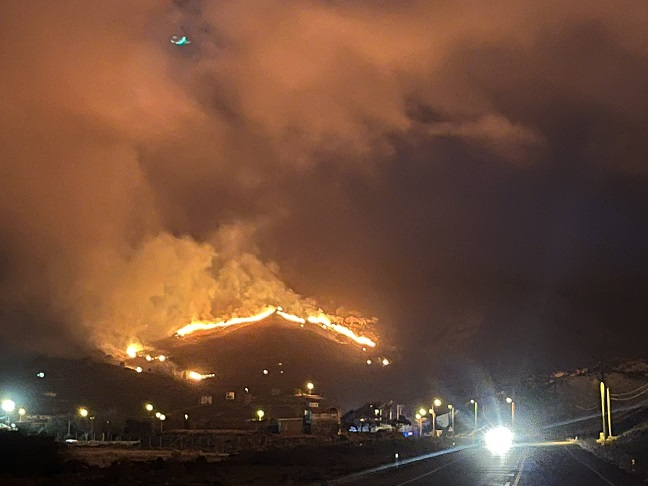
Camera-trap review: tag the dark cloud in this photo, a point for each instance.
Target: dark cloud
(468, 173)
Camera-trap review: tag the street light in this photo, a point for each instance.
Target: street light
(260, 413)
(419, 417)
(8, 406)
(83, 412)
(422, 412)
(474, 402)
(452, 412)
(309, 387)
(21, 414)
(149, 407)
(510, 400)
(435, 403)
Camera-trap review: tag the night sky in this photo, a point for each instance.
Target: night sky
(474, 175)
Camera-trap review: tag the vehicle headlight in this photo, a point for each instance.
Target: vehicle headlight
(499, 440)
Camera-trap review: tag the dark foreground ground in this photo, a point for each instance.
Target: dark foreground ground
(35, 460)
(549, 464)
(389, 460)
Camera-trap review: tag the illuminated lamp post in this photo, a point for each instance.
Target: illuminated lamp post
(474, 402)
(452, 412)
(83, 413)
(21, 413)
(92, 419)
(8, 406)
(435, 403)
(260, 414)
(309, 387)
(510, 400)
(420, 421)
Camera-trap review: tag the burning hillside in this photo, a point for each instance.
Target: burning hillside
(345, 326)
(341, 330)
(179, 286)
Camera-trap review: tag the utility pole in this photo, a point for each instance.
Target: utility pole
(609, 409)
(603, 409)
(474, 402)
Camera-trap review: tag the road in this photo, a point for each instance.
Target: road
(548, 464)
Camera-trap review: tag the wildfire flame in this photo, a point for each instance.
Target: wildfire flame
(207, 325)
(194, 375)
(320, 319)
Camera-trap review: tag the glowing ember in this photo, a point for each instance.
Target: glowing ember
(321, 319)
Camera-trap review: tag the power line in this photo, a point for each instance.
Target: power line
(641, 389)
(616, 399)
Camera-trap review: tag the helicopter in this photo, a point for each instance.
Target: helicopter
(180, 40)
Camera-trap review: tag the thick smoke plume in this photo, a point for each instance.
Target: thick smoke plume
(144, 184)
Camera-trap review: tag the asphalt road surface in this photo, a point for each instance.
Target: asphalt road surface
(549, 464)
